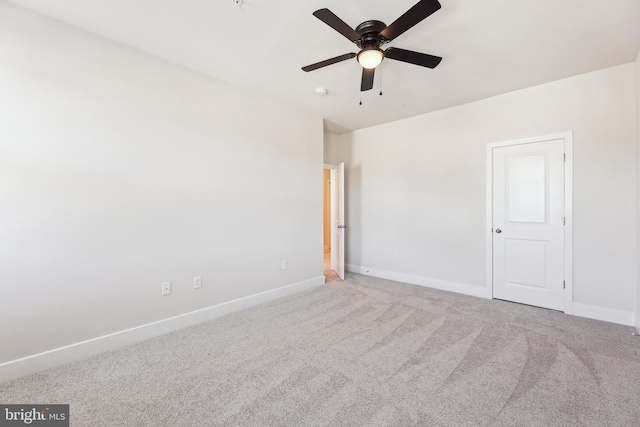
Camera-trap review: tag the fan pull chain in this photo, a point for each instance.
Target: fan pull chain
(380, 81)
(360, 97)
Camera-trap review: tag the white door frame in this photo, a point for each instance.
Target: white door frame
(334, 259)
(568, 211)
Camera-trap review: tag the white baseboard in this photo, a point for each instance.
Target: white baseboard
(59, 356)
(606, 314)
(461, 288)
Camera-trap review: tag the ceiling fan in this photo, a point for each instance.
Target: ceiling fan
(370, 35)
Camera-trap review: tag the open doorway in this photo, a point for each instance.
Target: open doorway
(328, 220)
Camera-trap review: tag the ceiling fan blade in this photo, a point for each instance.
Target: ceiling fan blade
(328, 62)
(329, 18)
(367, 79)
(416, 58)
(417, 13)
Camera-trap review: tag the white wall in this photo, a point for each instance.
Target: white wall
(331, 155)
(638, 184)
(119, 171)
(417, 186)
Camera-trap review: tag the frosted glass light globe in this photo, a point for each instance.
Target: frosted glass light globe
(370, 58)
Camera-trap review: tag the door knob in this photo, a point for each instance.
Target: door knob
(498, 231)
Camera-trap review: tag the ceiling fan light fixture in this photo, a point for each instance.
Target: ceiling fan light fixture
(370, 57)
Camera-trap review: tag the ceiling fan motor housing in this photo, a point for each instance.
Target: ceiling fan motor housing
(370, 34)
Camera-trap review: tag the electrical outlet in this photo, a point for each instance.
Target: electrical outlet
(285, 265)
(166, 288)
(197, 282)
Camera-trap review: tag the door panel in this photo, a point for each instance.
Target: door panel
(526, 262)
(528, 223)
(338, 227)
(526, 188)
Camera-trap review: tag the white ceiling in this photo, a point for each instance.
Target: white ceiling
(489, 47)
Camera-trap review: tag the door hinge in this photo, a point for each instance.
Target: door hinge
(564, 220)
(564, 284)
(565, 156)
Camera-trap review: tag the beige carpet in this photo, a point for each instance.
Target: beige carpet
(363, 352)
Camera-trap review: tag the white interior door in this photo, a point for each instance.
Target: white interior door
(528, 223)
(337, 220)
